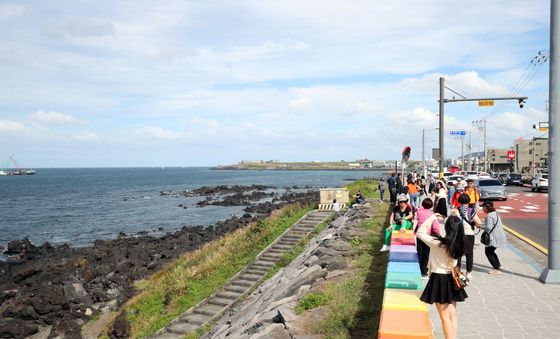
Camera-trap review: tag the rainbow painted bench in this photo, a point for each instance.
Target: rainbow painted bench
(403, 315)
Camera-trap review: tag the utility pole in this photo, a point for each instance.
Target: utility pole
(551, 275)
(462, 153)
(441, 125)
(423, 154)
(469, 149)
(484, 126)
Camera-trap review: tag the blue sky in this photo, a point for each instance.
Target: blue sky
(190, 83)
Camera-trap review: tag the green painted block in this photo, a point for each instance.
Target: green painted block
(404, 280)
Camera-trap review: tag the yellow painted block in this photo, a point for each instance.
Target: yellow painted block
(403, 300)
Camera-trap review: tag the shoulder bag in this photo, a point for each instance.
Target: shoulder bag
(460, 279)
(485, 237)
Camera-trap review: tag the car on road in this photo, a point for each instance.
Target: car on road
(503, 177)
(471, 175)
(540, 182)
(484, 175)
(514, 179)
(454, 178)
(491, 189)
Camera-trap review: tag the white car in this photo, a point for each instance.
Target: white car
(454, 178)
(540, 182)
(484, 175)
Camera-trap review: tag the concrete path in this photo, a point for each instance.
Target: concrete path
(512, 305)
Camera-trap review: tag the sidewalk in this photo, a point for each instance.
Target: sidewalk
(512, 305)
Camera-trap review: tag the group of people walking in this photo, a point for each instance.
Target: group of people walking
(445, 219)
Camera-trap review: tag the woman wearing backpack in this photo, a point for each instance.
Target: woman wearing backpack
(497, 236)
(444, 253)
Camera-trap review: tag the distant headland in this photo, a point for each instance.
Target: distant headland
(357, 165)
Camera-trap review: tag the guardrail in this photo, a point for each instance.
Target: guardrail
(403, 315)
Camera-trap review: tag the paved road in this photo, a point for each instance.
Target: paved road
(526, 212)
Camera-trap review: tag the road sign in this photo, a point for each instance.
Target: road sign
(543, 126)
(457, 132)
(435, 153)
(511, 154)
(485, 103)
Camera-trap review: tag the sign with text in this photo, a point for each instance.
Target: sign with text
(511, 154)
(458, 132)
(485, 103)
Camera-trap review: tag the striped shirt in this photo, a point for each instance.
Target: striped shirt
(498, 236)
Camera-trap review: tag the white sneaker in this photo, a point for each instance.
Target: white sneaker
(425, 277)
(495, 272)
(385, 248)
(469, 276)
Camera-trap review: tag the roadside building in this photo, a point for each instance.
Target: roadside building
(498, 160)
(528, 152)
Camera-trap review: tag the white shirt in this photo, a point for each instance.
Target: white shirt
(336, 207)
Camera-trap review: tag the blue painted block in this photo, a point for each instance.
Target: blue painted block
(403, 257)
(403, 248)
(405, 267)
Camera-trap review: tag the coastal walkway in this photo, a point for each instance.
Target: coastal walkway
(512, 305)
(243, 282)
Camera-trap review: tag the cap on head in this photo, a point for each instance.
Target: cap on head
(402, 198)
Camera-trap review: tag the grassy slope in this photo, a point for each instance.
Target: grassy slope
(353, 306)
(198, 274)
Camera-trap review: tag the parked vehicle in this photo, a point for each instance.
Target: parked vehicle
(540, 182)
(514, 179)
(491, 189)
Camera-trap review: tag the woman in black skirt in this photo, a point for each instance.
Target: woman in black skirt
(444, 252)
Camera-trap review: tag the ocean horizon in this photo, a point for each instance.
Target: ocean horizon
(82, 204)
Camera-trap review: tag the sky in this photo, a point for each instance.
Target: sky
(203, 83)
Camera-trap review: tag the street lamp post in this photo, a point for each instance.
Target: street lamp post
(551, 275)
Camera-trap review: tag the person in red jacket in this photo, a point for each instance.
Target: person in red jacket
(455, 199)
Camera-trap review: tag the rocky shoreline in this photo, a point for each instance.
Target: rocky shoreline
(62, 287)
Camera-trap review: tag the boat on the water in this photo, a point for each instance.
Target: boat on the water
(18, 169)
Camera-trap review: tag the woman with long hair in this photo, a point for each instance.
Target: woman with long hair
(470, 219)
(445, 250)
(440, 197)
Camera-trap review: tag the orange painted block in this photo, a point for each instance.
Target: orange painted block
(400, 324)
(407, 300)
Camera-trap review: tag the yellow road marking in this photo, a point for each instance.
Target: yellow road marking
(527, 240)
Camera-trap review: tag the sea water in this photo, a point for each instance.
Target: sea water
(78, 206)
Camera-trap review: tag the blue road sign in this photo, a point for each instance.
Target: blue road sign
(458, 132)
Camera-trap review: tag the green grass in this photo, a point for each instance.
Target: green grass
(366, 186)
(195, 276)
(354, 305)
(311, 300)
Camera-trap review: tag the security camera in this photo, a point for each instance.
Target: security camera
(521, 102)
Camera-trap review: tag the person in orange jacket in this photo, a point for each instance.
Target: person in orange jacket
(472, 192)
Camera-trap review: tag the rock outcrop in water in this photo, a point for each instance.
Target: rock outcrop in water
(64, 287)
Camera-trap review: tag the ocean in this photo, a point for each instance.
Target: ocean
(79, 206)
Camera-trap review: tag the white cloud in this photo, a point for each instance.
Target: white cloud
(9, 10)
(158, 133)
(85, 136)
(57, 118)
(8, 126)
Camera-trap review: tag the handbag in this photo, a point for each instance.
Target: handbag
(485, 236)
(460, 279)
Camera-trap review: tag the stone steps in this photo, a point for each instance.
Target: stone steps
(238, 286)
